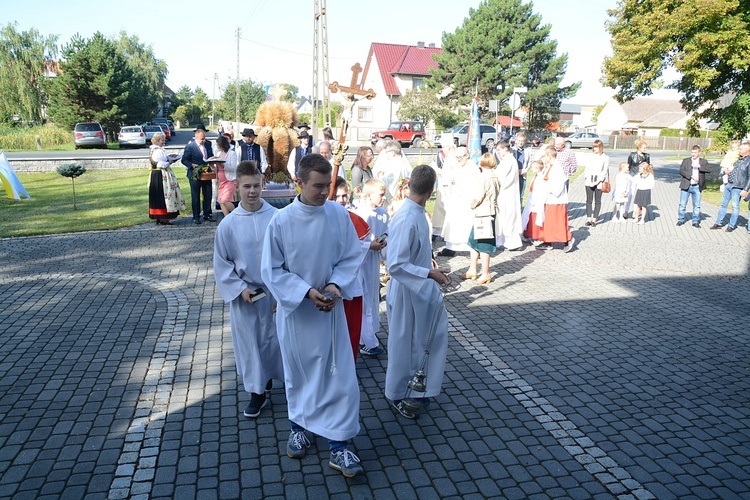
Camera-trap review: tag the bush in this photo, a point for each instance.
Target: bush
(24, 139)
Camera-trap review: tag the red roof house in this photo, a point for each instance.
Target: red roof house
(390, 70)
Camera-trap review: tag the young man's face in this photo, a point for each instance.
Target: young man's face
(695, 153)
(315, 189)
(250, 187)
(342, 196)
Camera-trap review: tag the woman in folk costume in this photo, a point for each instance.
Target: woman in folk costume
(549, 224)
(165, 198)
(508, 226)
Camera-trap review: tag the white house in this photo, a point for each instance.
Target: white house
(390, 70)
(645, 116)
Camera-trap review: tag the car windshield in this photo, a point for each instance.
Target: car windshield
(130, 129)
(88, 127)
(457, 128)
(394, 126)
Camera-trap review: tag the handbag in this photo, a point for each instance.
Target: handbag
(606, 186)
(483, 229)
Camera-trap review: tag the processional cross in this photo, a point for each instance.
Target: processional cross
(350, 93)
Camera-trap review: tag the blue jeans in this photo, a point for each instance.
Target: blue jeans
(732, 194)
(693, 192)
(334, 446)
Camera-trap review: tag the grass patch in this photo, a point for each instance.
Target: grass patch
(106, 199)
(51, 137)
(712, 194)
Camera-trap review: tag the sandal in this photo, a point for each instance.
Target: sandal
(468, 276)
(484, 280)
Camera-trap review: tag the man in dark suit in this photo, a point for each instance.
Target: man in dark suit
(693, 171)
(195, 154)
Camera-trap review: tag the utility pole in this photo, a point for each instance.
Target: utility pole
(213, 102)
(320, 37)
(237, 88)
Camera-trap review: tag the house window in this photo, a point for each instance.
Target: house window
(417, 83)
(365, 114)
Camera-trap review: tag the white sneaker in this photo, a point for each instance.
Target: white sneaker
(641, 222)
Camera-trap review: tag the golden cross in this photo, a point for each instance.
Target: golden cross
(353, 89)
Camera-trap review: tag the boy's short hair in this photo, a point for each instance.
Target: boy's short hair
(341, 182)
(313, 163)
(247, 167)
(373, 186)
(422, 180)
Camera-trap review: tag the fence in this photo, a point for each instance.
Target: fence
(659, 143)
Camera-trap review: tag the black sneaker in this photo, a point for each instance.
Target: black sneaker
(680, 222)
(729, 229)
(446, 253)
(197, 221)
(375, 351)
(210, 218)
(696, 225)
(716, 226)
(257, 403)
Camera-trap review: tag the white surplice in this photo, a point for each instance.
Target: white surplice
(461, 183)
(308, 247)
(415, 306)
(237, 256)
(508, 228)
(377, 219)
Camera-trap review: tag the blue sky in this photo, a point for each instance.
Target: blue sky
(197, 39)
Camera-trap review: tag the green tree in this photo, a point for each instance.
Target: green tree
(707, 42)
(149, 73)
(503, 44)
(252, 95)
(422, 105)
(94, 85)
(23, 56)
(292, 93)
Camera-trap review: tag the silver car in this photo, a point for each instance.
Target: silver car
(150, 130)
(131, 136)
(89, 135)
(585, 140)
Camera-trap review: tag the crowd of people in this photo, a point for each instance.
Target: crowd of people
(303, 283)
(303, 288)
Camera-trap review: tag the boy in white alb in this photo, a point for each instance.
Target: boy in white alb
(371, 210)
(237, 254)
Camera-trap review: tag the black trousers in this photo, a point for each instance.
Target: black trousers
(196, 189)
(595, 194)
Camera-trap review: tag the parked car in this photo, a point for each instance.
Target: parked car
(458, 135)
(89, 135)
(405, 132)
(166, 122)
(585, 140)
(131, 136)
(165, 130)
(150, 130)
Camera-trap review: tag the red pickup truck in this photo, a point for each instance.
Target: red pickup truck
(407, 133)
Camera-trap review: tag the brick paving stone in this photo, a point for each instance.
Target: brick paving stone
(586, 352)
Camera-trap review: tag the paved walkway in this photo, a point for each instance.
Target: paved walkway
(619, 370)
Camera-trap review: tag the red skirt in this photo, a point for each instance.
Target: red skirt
(555, 229)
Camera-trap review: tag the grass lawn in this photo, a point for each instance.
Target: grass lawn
(105, 199)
